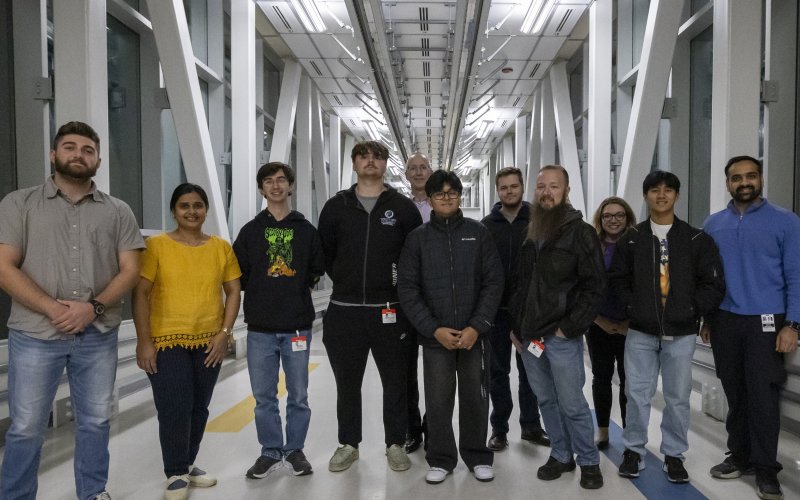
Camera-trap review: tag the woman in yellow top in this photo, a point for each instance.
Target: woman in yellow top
(183, 326)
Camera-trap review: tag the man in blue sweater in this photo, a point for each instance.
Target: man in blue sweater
(757, 321)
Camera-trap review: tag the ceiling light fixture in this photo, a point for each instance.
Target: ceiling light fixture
(483, 130)
(309, 15)
(372, 130)
(536, 16)
(349, 53)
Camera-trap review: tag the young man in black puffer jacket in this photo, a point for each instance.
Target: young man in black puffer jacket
(450, 284)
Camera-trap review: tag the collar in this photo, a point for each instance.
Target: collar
(751, 208)
(51, 190)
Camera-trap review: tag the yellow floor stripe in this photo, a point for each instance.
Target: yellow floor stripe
(241, 414)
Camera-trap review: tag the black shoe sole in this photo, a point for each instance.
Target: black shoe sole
(571, 468)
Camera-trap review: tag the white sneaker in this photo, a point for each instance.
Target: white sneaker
(177, 488)
(436, 475)
(198, 477)
(484, 473)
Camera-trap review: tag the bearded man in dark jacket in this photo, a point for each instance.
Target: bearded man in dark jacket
(560, 282)
(450, 284)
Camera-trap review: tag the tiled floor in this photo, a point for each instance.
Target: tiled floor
(136, 469)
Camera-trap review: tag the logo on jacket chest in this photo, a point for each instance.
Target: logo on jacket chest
(388, 218)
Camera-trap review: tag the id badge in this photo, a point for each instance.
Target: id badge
(768, 323)
(389, 315)
(299, 343)
(536, 348)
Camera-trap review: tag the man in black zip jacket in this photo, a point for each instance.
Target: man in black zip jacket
(668, 275)
(280, 255)
(363, 230)
(450, 285)
(508, 223)
(558, 287)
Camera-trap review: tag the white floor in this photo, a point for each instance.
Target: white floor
(136, 468)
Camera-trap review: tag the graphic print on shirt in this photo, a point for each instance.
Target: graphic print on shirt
(664, 278)
(279, 251)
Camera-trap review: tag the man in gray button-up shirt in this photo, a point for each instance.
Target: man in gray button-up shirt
(68, 255)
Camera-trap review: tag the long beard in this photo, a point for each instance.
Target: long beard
(546, 221)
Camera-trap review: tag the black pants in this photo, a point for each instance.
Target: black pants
(182, 390)
(752, 374)
(415, 424)
(442, 367)
(604, 351)
(349, 334)
(500, 386)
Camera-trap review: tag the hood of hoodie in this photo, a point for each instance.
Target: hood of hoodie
(265, 217)
(496, 215)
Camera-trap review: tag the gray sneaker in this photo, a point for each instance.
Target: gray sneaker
(103, 495)
(343, 458)
(398, 458)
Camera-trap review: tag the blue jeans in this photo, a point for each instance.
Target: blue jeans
(557, 379)
(645, 356)
(35, 367)
(182, 390)
(265, 353)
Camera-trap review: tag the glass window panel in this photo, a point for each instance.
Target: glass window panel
(701, 60)
(124, 115)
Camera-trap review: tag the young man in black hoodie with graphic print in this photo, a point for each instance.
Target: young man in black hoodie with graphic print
(280, 255)
(363, 230)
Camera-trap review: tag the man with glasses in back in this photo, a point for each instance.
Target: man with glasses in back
(418, 170)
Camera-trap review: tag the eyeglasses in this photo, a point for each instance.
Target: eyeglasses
(619, 217)
(440, 195)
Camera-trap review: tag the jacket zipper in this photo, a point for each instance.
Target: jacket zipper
(366, 253)
(452, 279)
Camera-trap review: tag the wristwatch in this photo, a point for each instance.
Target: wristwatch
(99, 307)
(794, 325)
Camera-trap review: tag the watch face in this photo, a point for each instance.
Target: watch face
(99, 308)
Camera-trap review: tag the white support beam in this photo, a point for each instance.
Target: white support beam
(31, 111)
(215, 19)
(334, 154)
(661, 32)
(81, 70)
(507, 159)
(624, 93)
(521, 142)
(243, 112)
(534, 145)
(281, 149)
(735, 89)
(183, 87)
(347, 162)
(547, 124)
(565, 130)
(305, 172)
(318, 153)
(598, 136)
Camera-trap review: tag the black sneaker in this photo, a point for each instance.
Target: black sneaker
(767, 485)
(676, 472)
(631, 464)
(498, 441)
(536, 436)
(731, 468)
(553, 469)
(591, 477)
(300, 466)
(413, 442)
(263, 467)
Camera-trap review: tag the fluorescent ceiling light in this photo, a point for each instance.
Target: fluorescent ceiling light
(539, 26)
(309, 15)
(372, 130)
(483, 129)
(536, 16)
